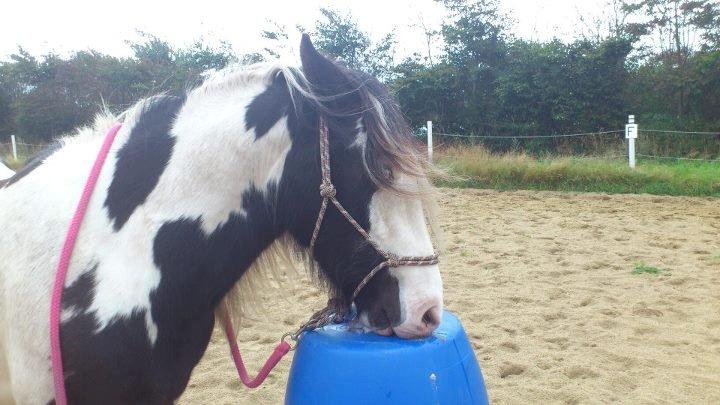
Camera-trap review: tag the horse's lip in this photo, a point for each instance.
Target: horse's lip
(410, 333)
(401, 333)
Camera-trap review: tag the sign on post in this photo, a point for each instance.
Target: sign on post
(631, 134)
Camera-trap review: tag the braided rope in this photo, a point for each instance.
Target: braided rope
(318, 223)
(336, 309)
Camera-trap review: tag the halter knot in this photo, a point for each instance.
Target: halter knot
(393, 261)
(327, 190)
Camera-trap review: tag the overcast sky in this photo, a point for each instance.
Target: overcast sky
(41, 26)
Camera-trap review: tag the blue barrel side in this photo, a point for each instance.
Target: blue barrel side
(334, 366)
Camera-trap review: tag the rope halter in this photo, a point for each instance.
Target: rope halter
(336, 309)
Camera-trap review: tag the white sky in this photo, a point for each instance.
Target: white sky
(67, 25)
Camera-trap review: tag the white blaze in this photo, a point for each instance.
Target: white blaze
(397, 224)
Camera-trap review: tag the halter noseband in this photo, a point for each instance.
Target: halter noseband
(329, 193)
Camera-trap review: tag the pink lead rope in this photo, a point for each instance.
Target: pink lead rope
(281, 350)
(61, 274)
(62, 268)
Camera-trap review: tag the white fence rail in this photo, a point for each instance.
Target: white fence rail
(14, 146)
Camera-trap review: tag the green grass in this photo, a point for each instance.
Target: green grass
(10, 162)
(24, 152)
(475, 167)
(642, 268)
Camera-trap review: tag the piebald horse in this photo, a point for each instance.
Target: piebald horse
(199, 188)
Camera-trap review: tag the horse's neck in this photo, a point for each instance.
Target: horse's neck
(219, 192)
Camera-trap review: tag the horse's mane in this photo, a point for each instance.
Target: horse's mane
(389, 146)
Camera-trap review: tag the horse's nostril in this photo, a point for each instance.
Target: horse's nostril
(431, 318)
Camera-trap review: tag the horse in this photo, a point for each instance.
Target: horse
(199, 192)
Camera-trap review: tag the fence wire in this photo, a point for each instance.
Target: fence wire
(676, 158)
(530, 136)
(655, 146)
(665, 131)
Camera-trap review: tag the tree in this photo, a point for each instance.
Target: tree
(338, 35)
(475, 47)
(426, 93)
(475, 32)
(431, 36)
(676, 26)
(708, 18)
(42, 98)
(475, 77)
(549, 88)
(276, 39)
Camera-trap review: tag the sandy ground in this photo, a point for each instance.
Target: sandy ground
(544, 286)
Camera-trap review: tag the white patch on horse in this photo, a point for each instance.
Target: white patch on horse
(5, 172)
(213, 175)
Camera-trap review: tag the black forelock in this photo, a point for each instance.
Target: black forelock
(359, 96)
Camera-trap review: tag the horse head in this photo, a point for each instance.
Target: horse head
(378, 174)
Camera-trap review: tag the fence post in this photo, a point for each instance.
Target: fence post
(631, 133)
(14, 146)
(429, 140)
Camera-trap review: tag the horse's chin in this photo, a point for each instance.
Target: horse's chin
(390, 331)
(362, 322)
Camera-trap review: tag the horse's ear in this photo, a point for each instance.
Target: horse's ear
(328, 79)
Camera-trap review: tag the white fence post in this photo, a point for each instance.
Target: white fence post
(14, 146)
(631, 133)
(429, 140)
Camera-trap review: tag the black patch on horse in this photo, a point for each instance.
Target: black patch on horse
(197, 271)
(268, 107)
(79, 294)
(33, 163)
(143, 158)
(111, 366)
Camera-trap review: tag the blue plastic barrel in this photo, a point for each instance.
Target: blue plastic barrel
(335, 366)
